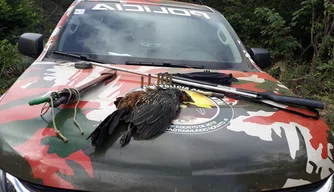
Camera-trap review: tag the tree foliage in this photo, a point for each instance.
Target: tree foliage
(276, 33)
(15, 17)
(20, 16)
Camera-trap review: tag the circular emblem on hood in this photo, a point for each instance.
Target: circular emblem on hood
(203, 115)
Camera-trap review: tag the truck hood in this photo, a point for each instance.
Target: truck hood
(215, 144)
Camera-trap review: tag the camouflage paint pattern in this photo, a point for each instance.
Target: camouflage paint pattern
(216, 144)
(256, 141)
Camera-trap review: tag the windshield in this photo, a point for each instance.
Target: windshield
(120, 33)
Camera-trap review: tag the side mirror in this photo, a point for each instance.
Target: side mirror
(261, 57)
(31, 44)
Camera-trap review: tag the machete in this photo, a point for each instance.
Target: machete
(63, 96)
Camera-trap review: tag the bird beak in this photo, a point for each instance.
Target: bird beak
(187, 98)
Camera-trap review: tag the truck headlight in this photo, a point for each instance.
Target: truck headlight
(9, 183)
(328, 185)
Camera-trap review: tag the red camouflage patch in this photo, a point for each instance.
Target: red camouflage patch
(238, 74)
(11, 114)
(251, 86)
(46, 166)
(318, 128)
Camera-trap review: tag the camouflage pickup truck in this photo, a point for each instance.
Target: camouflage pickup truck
(216, 143)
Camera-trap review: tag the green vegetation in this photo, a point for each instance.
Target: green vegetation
(299, 35)
(17, 17)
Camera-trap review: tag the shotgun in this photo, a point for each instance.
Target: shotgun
(259, 96)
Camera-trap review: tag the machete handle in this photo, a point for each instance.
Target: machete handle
(61, 100)
(38, 101)
(292, 100)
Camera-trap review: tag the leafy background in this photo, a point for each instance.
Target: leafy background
(298, 33)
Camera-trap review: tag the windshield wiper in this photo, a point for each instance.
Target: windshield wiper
(79, 56)
(163, 64)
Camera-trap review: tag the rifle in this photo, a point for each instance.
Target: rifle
(268, 95)
(258, 96)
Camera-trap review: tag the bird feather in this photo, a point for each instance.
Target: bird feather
(106, 127)
(147, 113)
(152, 119)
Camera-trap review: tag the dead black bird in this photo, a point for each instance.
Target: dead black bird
(149, 112)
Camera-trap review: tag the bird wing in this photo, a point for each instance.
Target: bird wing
(152, 119)
(107, 126)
